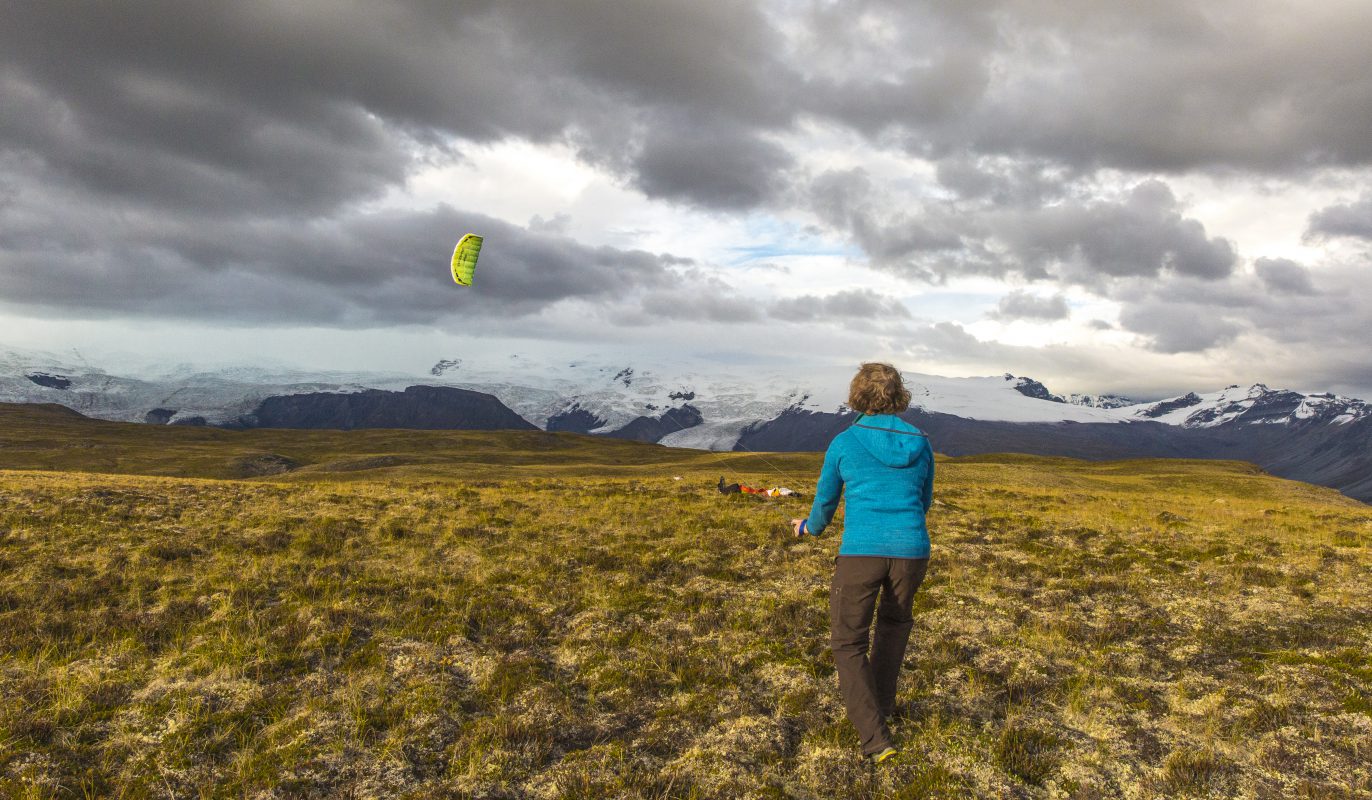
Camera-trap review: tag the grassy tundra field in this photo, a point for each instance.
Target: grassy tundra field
(202, 613)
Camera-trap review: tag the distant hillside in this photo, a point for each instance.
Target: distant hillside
(1338, 456)
(417, 407)
(52, 437)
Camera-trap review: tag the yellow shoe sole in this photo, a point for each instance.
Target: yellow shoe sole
(884, 755)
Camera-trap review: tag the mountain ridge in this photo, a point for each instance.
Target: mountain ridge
(1320, 437)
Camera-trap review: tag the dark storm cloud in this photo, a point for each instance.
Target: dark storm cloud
(1144, 233)
(1148, 306)
(1332, 319)
(1003, 182)
(1350, 219)
(1179, 327)
(950, 340)
(209, 160)
(307, 104)
(168, 158)
(1023, 305)
(278, 107)
(848, 304)
(878, 65)
(312, 103)
(1310, 317)
(363, 268)
(1166, 86)
(154, 145)
(848, 201)
(1240, 327)
(1077, 240)
(1284, 276)
(736, 169)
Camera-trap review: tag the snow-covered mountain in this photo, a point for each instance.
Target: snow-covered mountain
(600, 396)
(1255, 405)
(180, 393)
(1098, 400)
(585, 395)
(1317, 437)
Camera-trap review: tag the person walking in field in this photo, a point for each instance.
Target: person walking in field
(885, 468)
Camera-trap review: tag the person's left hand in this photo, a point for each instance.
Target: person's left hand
(795, 526)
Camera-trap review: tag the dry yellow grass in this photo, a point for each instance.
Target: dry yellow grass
(492, 615)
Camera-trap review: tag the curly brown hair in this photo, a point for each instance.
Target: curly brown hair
(878, 389)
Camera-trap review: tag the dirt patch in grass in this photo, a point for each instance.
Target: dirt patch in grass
(259, 465)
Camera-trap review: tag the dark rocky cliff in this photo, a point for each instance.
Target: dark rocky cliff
(650, 429)
(418, 407)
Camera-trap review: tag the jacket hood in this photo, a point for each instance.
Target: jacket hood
(890, 439)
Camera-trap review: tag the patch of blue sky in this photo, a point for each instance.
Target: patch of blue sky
(951, 306)
(769, 237)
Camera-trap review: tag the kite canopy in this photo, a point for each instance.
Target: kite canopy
(464, 259)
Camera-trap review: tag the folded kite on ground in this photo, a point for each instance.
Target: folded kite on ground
(738, 488)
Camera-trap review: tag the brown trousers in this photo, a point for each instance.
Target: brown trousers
(868, 683)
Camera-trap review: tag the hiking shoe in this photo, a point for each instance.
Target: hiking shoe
(877, 758)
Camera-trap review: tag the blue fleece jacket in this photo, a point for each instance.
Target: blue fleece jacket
(886, 468)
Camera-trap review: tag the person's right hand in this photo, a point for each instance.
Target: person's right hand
(795, 527)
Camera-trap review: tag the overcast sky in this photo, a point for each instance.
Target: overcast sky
(1145, 198)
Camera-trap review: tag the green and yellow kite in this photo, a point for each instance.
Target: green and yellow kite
(464, 259)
